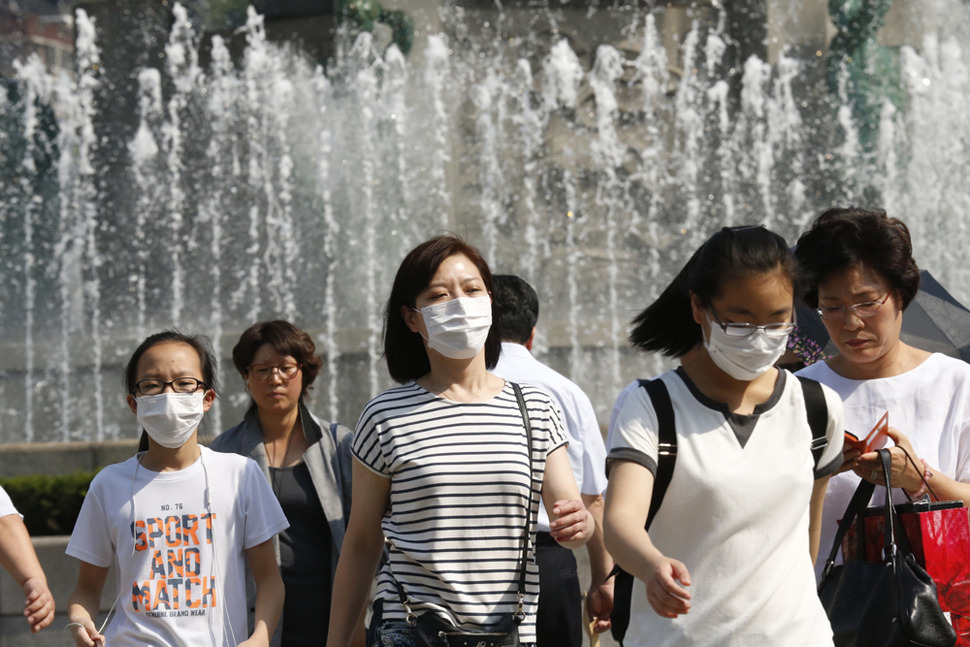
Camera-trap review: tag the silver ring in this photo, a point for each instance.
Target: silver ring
(873, 474)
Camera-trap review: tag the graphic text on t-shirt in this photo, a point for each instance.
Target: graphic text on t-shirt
(175, 584)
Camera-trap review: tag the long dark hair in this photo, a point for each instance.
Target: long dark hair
(667, 325)
(207, 361)
(404, 350)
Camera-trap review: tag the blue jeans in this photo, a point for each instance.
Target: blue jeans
(397, 633)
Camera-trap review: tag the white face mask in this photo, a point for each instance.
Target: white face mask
(170, 418)
(744, 358)
(459, 327)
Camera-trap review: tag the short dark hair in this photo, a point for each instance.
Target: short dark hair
(667, 325)
(842, 238)
(286, 339)
(517, 305)
(404, 350)
(199, 343)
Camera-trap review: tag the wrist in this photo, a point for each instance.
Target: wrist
(34, 580)
(601, 585)
(653, 560)
(921, 487)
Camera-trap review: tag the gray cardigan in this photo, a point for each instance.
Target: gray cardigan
(329, 461)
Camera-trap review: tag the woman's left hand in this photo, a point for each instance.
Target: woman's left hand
(904, 473)
(572, 521)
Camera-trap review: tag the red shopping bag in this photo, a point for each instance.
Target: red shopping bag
(939, 536)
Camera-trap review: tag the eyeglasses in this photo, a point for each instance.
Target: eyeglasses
(179, 385)
(285, 371)
(774, 330)
(866, 309)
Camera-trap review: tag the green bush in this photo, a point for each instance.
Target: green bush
(50, 504)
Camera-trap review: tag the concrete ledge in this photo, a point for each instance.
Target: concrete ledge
(25, 459)
(61, 573)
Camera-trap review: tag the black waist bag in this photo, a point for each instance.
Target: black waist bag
(434, 631)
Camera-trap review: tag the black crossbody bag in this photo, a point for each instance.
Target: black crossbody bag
(431, 630)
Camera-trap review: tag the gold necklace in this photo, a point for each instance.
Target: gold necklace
(445, 393)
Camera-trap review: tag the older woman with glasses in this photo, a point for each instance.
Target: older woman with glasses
(861, 278)
(306, 461)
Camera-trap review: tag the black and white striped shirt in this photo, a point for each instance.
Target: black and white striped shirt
(458, 496)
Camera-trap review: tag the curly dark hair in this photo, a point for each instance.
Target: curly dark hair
(842, 238)
(286, 339)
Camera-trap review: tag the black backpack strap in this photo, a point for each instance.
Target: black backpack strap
(818, 415)
(666, 458)
(666, 443)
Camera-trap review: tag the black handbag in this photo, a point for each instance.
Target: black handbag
(888, 604)
(431, 630)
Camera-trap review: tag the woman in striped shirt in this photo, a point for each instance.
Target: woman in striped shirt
(441, 467)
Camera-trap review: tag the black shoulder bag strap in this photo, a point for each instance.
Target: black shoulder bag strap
(666, 458)
(818, 414)
(519, 614)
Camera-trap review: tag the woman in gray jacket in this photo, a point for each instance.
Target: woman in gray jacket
(306, 461)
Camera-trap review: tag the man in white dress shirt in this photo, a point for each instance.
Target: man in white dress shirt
(558, 621)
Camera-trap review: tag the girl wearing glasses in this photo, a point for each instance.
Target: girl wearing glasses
(305, 459)
(178, 521)
(728, 557)
(861, 277)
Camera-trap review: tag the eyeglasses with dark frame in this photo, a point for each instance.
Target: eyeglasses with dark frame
(152, 386)
(861, 310)
(774, 330)
(285, 371)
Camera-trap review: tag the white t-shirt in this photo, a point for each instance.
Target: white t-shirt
(460, 489)
(184, 573)
(617, 407)
(736, 513)
(6, 505)
(930, 404)
(587, 453)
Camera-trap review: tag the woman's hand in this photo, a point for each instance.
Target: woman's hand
(850, 457)
(904, 473)
(572, 521)
(665, 587)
